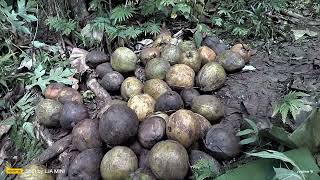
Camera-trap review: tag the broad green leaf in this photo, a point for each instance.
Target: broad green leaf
(198, 38)
(38, 44)
(248, 140)
(245, 132)
(286, 174)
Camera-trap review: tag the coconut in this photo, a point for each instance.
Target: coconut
(130, 87)
(204, 124)
(48, 112)
(118, 124)
(180, 76)
(222, 143)
(183, 127)
(243, 50)
(231, 61)
(187, 46)
(112, 81)
(29, 173)
(137, 148)
(69, 94)
(124, 60)
(192, 59)
(157, 69)
(72, 113)
(195, 156)
(118, 163)
(86, 165)
(208, 106)
(188, 94)
(107, 105)
(163, 38)
(151, 131)
(53, 90)
(103, 69)
(169, 101)
(144, 160)
(94, 58)
(169, 160)
(211, 77)
(206, 54)
(149, 53)
(142, 105)
(171, 53)
(155, 88)
(215, 44)
(85, 136)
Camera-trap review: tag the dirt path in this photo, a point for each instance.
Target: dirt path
(290, 66)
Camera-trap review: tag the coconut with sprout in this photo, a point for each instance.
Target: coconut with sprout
(142, 105)
(211, 77)
(155, 88)
(169, 160)
(130, 87)
(157, 68)
(118, 163)
(124, 60)
(183, 127)
(48, 112)
(180, 76)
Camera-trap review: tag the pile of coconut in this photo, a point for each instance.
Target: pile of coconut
(160, 118)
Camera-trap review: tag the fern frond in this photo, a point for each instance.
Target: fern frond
(130, 32)
(152, 28)
(64, 26)
(122, 13)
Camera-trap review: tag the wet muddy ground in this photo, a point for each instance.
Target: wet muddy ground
(287, 66)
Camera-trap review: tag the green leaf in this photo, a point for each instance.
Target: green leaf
(245, 132)
(122, 13)
(286, 174)
(198, 38)
(28, 127)
(38, 44)
(248, 140)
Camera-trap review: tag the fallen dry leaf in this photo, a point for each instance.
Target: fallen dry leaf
(78, 60)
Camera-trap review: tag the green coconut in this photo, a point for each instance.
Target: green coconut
(155, 88)
(211, 77)
(118, 163)
(208, 106)
(169, 160)
(124, 60)
(192, 59)
(187, 46)
(130, 87)
(48, 112)
(180, 76)
(157, 68)
(142, 105)
(171, 53)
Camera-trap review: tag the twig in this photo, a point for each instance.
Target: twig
(98, 90)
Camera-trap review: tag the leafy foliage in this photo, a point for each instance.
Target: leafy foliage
(59, 74)
(122, 13)
(251, 135)
(290, 103)
(204, 169)
(63, 26)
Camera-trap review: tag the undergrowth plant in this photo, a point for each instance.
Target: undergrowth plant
(250, 135)
(204, 169)
(290, 104)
